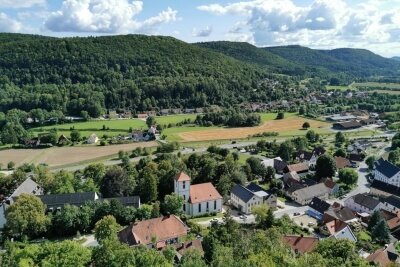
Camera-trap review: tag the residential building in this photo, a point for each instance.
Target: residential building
(151, 113)
(56, 202)
(362, 203)
(291, 175)
(142, 116)
(184, 247)
(270, 162)
(307, 157)
(317, 207)
(343, 214)
(26, 187)
(298, 168)
(345, 233)
(199, 110)
(164, 230)
(280, 165)
(62, 140)
(304, 195)
(244, 200)
(177, 111)
(200, 198)
(268, 198)
(379, 188)
(301, 244)
(384, 256)
(390, 204)
(112, 114)
(189, 110)
(92, 139)
(334, 187)
(332, 227)
(127, 114)
(342, 162)
(387, 172)
(165, 112)
(318, 151)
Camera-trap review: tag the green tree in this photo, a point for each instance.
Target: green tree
(269, 174)
(394, 156)
(306, 125)
(340, 153)
(150, 121)
(11, 165)
(173, 203)
(286, 150)
(116, 183)
(260, 212)
(106, 228)
(375, 218)
(370, 162)
(75, 135)
(325, 166)
(381, 233)
(66, 253)
(26, 216)
(49, 139)
(339, 138)
(169, 253)
(312, 136)
(280, 116)
(65, 182)
(148, 188)
(348, 176)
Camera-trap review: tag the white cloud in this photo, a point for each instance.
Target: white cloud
(205, 32)
(13, 4)
(9, 25)
(104, 16)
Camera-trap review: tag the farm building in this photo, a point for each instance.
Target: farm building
(340, 118)
(142, 116)
(347, 125)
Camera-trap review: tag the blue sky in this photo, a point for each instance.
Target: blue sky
(322, 24)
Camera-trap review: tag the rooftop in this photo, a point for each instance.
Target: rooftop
(301, 243)
(319, 205)
(242, 193)
(385, 187)
(386, 168)
(180, 177)
(366, 200)
(203, 192)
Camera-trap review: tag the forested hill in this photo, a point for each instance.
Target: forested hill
(133, 71)
(358, 62)
(396, 58)
(251, 54)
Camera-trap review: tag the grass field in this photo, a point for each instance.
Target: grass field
(165, 120)
(291, 125)
(376, 84)
(272, 116)
(341, 88)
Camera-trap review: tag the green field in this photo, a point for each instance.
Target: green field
(341, 88)
(272, 116)
(165, 120)
(376, 84)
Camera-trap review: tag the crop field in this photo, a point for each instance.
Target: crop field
(61, 156)
(390, 92)
(376, 84)
(288, 125)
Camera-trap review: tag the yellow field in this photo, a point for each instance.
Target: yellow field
(285, 125)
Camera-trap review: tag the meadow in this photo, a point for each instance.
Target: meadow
(378, 85)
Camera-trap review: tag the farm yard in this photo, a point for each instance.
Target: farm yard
(62, 156)
(289, 126)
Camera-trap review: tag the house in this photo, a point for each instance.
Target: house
(362, 203)
(62, 140)
(317, 207)
(390, 204)
(384, 256)
(279, 165)
(301, 244)
(319, 150)
(334, 187)
(341, 162)
(177, 111)
(270, 162)
(56, 202)
(130, 201)
(387, 172)
(345, 233)
(112, 114)
(244, 200)
(291, 175)
(26, 187)
(199, 110)
(368, 121)
(379, 188)
(92, 139)
(332, 227)
(343, 214)
(298, 168)
(355, 159)
(127, 114)
(165, 112)
(347, 125)
(189, 110)
(182, 248)
(151, 113)
(200, 198)
(305, 195)
(163, 230)
(152, 130)
(268, 198)
(142, 116)
(306, 157)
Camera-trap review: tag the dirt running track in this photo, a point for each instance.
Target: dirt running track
(58, 156)
(285, 125)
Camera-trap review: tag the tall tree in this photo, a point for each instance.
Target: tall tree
(375, 218)
(116, 183)
(325, 166)
(339, 137)
(348, 176)
(381, 233)
(106, 228)
(173, 203)
(26, 216)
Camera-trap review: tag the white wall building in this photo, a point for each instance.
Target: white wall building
(386, 172)
(362, 203)
(244, 200)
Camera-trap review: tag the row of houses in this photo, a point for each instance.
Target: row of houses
(127, 114)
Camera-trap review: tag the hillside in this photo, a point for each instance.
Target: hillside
(251, 54)
(133, 71)
(396, 58)
(358, 62)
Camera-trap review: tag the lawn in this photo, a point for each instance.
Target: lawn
(363, 236)
(85, 133)
(376, 84)
(243, 158)
(165, 120)
(341, 88)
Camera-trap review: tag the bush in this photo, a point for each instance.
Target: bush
(102, 143)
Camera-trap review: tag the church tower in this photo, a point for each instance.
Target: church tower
(182, 188)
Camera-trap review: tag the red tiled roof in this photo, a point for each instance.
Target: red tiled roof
(335, 226)
(182, 248)
(328, 182)
(203, 192)
(342, 162)
(298, 167)
(301, 243)
(383, 256)
(180, 177)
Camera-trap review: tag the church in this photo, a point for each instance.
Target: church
(199, 198)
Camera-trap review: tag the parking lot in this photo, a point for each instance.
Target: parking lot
(305, 219)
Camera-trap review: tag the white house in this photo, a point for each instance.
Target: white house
(27, 187)
(200, 198)
(386, 172)
(92, 139)
(307, 157)
(390, 204)
(362, 203)
(345, 233)
(244, 199)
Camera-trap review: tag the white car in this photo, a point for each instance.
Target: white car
(214, 220)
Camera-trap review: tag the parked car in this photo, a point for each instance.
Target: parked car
(214, 220)
(296, 214)
(311, 224)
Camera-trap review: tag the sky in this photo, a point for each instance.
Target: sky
(319, 24)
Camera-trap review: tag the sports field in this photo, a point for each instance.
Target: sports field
(288, 125)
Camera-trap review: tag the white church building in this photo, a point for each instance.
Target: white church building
(199, 198)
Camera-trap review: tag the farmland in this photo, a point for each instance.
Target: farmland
(377, 85)
(288, 125)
